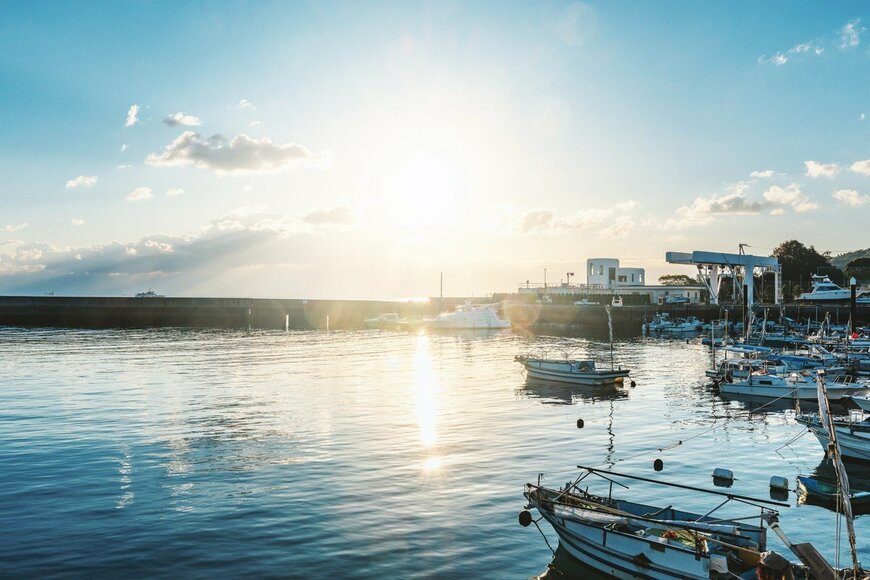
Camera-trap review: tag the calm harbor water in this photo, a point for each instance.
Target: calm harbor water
(158, 453)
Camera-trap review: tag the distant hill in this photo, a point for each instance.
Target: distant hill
(843, 259)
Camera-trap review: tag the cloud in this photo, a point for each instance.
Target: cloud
(237, 242)
(15, 227)
(174, 191)
(609, 222)
(139, 194)
(705, 208)
(81, 181)
(255, 123)
(77, 222)
(851, 197)
(850, 34)
(180, 118)
(240, 154)
(337, 216)
(245, 104)
(815, 169)
(789, 196)
(124, 166)
(862, 117)
(766, 174)
(132, 116)
(123, 147)
(780, 58)
(862, 167)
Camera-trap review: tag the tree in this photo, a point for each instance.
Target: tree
(799, 263)
(859, 268)
(677, 280)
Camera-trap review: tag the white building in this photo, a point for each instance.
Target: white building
(605, 273)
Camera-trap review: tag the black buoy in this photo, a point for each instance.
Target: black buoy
(633, 384)
(658, 464)
(580, 423)
(525, 518)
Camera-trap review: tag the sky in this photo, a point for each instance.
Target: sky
(360, 149)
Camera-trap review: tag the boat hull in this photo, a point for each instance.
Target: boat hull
(806, 391)
(854, 443)
(588, 379)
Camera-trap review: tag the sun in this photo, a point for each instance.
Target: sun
(423, 192)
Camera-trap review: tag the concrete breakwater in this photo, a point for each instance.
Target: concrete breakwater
(298, 314)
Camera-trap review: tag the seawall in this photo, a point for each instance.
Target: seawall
(298, 314)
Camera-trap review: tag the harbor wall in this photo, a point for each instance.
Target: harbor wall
(242, 313)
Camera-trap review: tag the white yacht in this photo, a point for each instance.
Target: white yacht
(825, 291)
(468, 316)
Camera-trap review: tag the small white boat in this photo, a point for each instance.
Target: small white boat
(853, 436)
(826, 291)
(794, 386)
(690, 324)
(659, 323)
(469, 317)
(576, 372)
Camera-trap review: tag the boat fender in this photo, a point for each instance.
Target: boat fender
(580, 423)
(723, 477)
(779, 483)
(633, 384)
(525, 518)
(658, 465)
(729, 378)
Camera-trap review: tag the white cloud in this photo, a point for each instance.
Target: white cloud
(123, 147)
(862, 167)
(778, 59)
(789, 196)
(81, 181)
(15, 227)
(816, 169)
(77, 222)
(140, 193)
(862, 117)
(850, 34)
(704, 209)
(240, 154)
(124, 166)
(245, 104)
(609, 222)
(132, 116)
(851, 197)
(766, 174)
(174, 191)
(180, 118)
(255, 123)
(337, 216)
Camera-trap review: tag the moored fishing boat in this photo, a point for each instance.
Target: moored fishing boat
(853, 436)
(793, 386)
(577, 372)
(812, 490)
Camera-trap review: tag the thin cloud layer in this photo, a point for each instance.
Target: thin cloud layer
(140, 194)
(766, 174)
(337, 216)
(611, 222)
(239, 155)
(816, 169)
(851, 197)
(850, 34)
(775, 200)
(81, 181)
(15, 227)
(179, 118)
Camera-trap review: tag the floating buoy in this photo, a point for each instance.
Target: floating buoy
(658, 464)
(779, 483)
(723, 477)
(633, 384)
(525, 518)
(580, 423)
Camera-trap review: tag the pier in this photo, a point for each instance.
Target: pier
(302, 314)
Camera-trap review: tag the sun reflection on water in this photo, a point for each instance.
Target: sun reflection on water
(426, 387)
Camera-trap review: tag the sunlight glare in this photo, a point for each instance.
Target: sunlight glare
(425, 387)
